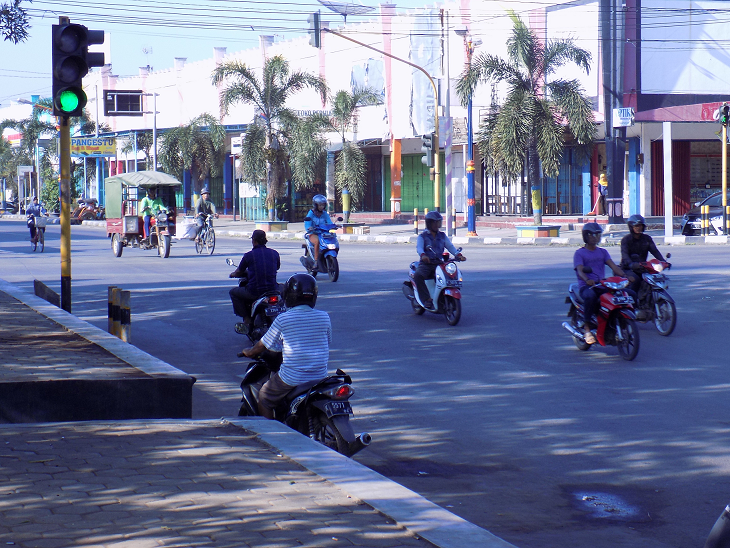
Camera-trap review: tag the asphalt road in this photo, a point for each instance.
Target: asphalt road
(499, 419)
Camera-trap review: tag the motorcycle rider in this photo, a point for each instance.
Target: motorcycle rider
(430, 247)
(259, 266)
(149, 206)
(637, 243)
(303, 336)
(37, 210)
(317, 216)
(203, 207)
(590, 255)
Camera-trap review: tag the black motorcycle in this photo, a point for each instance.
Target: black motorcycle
(318, 409)
(263, 311)
(655, 303)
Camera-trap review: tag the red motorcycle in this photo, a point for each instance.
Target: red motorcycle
(615, 322)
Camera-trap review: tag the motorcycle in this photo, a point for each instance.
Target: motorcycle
(445, 289)
(719, 536)
(263, 311)
(654, 299)
(329, 247)
(615, 322)
(318, 409)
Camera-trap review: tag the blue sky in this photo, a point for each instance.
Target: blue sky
(145, 32)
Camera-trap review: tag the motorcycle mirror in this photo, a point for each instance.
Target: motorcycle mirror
(669, 255)
(230, 262)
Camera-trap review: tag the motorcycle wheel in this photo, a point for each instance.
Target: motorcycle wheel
(327, 434)
(628, 346)
(452, 310)
(665, 317)
(117, 245)
(333, 268)
(210, 241)
(580, 344)
(163, 247)
(417, 308)
(41, 239)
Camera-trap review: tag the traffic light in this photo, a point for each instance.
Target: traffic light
(428, 142)
(71, 62)
(724, 115)
(315, 34)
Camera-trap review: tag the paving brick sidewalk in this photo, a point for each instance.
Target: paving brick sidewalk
(171, 483)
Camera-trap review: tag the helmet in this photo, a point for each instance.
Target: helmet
(592, 228)
(300, 289)
(319, 200)
(635, 220)
(433, 216)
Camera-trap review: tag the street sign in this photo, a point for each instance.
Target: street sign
(623, 117)
(236, 143)
(93, 146)
(123, 102)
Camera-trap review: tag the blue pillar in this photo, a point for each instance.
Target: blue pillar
(187, 189)
(586, 180)
(634, 169)
(227, 184)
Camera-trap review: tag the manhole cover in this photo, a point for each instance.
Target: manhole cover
(605, 505)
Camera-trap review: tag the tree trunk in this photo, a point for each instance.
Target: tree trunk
(533, 179)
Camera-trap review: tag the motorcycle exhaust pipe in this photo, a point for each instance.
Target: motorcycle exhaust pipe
(573, 331)
(360, 443)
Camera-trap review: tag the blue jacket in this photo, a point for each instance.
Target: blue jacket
(316, 222)
(438, 243)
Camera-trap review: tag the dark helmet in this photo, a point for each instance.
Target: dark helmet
(300, 289)
(592, 228)
(433, 216)
(635, 220)
(319, 200)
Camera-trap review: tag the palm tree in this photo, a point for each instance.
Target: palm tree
(269, 96)
(197, 147)
(351, 165)
(530, 127)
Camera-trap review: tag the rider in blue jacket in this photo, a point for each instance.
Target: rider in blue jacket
(430, 246)
(318, 217)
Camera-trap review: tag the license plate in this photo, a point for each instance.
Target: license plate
(623, 300)
(332, 408)
(453, 283)
(274, 310)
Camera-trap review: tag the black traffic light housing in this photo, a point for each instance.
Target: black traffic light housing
(315, 30)
(428, 142)
(724, 115)
(71, 62)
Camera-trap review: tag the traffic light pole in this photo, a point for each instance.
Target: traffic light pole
(436, 167)
(724, 179)
(65, 157)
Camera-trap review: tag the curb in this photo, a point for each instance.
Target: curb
(407, 508)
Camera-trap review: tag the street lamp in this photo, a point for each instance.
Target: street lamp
(469, 45)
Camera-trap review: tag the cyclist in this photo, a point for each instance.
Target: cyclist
(203, 208)
(34, 210)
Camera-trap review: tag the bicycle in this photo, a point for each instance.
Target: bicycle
(206, 238)
(40, 230)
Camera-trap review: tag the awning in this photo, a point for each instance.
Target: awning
(144, 179)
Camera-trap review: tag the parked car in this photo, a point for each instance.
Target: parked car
(8, 207)
(691, 220)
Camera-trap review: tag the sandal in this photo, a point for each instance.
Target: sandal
(589, 338)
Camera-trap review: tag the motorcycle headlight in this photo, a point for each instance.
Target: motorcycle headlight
(331, 246)
(616, 285)
(451, 268)
(162, 217)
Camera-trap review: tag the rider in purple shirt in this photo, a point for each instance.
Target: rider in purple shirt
(595, 259)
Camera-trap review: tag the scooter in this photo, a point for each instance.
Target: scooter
(655, 303)
(329, 247)
(318, 409)
(445, 289)
(264, 311)
(615, 322)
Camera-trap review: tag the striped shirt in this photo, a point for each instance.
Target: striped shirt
(303, 335)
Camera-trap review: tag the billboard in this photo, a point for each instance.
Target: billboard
(93, 146)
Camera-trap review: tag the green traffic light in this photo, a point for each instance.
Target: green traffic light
(68, 101)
